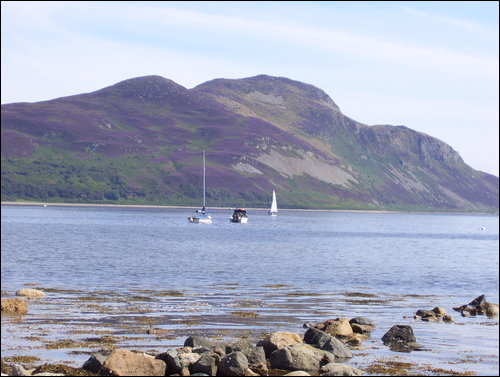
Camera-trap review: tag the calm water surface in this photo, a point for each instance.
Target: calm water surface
(298, 266)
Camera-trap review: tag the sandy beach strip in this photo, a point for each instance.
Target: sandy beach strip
(47, 204)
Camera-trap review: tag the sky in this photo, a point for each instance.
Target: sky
(430, 66)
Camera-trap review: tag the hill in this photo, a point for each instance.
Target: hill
(140, 141)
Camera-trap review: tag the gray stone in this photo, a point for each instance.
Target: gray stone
(206, 364)
(362, 329)
(188, 358)
(362, 321)
(399, 334)
(300, 357)
(335, 369)
(256, 356)
(242, 345)
(233, 364)
(94, 363)
(326, 342)
(172, 361)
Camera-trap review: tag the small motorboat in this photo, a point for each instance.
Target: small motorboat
(239, 216)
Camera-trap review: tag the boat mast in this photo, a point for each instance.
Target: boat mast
(203, 179)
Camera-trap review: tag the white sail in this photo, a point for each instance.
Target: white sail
(274, 205)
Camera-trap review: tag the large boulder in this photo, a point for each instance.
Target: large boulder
(278, 340)
(207, 363)
(326, 342)
(400, 338)
(256, 355)
(123, 362)
(233, 364)
(14, 306)
(399, 334)
(339, 328)
(300, 357)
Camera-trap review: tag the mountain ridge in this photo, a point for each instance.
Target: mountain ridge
(143, 135)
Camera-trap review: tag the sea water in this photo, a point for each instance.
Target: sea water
(149, 268)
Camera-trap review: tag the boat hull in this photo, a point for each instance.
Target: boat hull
(198, 220)
(243, 220)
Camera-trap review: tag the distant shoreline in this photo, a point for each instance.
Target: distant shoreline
(180, 207)
(230, 208)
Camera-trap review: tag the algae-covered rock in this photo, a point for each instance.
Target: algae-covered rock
(30, 293)
(14, 306)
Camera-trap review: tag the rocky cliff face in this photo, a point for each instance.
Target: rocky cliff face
(140, 140)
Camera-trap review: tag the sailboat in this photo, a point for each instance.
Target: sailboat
(274, 206)
(201, 217)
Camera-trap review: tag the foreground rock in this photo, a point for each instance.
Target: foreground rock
(279, 340)
(94, 363)
(300, 357)
(326, 342)
(123, 362)
(233, 364)
(339, 328)
(256, 356)
(291, 356)
(350, 332)
(14, 306)
(400, 338)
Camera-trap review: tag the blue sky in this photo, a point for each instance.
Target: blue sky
(431, 66)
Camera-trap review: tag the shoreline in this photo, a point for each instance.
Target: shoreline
(149, 330)
(184, 207)
(155, 206)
